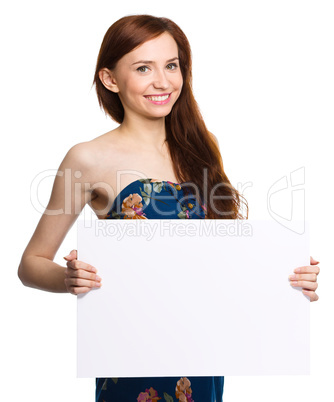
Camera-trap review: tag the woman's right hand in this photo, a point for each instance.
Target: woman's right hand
(80, 277)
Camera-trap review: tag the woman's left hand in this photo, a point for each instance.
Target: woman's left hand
(306, 278)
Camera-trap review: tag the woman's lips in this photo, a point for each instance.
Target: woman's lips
(160, 99)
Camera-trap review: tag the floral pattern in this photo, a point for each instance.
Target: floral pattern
(150, 395)
(183, 391)
(132, 207)
(140, 199)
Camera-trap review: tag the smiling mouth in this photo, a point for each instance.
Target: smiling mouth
(158, 98)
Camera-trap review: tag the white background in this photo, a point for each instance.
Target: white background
(263, 80)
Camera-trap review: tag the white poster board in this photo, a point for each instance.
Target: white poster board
(192, 298)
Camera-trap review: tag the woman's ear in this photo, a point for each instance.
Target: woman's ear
(108, 80)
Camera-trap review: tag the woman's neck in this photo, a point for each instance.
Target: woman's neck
(145, 133)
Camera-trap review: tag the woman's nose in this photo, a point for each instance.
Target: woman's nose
(160, 80)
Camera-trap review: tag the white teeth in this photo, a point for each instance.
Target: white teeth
(157, 98)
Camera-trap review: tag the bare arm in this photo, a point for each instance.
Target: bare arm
(68, 198)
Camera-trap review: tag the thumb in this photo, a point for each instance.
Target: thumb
(71, 256)
(313, 261)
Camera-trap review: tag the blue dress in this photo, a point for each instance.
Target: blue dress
(152, 199)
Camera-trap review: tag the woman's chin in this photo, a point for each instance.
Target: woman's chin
(159, 114)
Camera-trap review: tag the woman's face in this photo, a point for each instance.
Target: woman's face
(148, 79)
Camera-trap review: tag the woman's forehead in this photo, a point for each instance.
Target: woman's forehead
(160, 48)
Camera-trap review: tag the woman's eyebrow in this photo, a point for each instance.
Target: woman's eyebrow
(152, 62)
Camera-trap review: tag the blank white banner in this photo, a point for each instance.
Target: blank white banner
(192, 298)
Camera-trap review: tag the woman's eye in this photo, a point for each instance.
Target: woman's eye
(174, 65)
(170, 66)
(141, 69)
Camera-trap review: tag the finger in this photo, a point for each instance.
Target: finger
(75, 290)
(81, 273)
(71, 256)
(305, 284)
(313, 261)
(314, 269)
(75, 265)
(78, 282)
(303, 277)
(312, 295)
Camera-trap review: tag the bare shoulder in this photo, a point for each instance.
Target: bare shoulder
(78, 160)
(214, 138)
(81, 154)
(88, 154)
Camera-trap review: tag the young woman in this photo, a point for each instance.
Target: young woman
(160, 148)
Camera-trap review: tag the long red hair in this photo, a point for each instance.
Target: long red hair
(194, 152)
